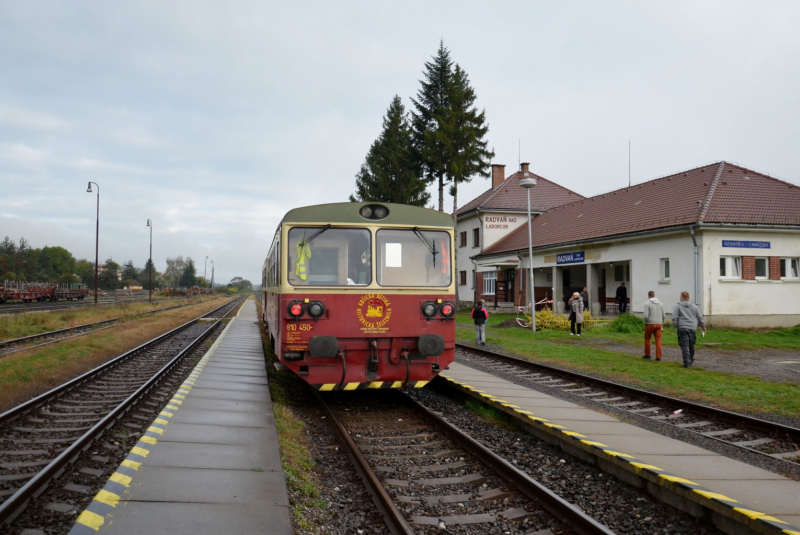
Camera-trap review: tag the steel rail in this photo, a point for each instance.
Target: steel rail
(753, 423)
(17, 502)
(33, 404)
(554, 504)
(395, 520)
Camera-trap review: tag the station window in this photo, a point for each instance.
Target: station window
(762, 268)
(476, 237)
(489, 280)
(730, 267)
(665, 269)
(790, 268)
(462, 278)
(463, 239)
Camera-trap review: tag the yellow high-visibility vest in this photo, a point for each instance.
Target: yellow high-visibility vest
(303, 252)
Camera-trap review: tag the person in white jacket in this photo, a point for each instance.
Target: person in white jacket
(653, 324)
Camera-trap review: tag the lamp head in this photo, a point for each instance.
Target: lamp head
(529, 181)
(149, 223)
(89, 189)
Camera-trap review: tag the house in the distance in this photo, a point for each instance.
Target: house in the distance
(489, 218)
(728, 235)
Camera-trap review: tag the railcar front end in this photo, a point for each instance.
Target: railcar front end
(362, 295)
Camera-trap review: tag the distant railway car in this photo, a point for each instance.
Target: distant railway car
(361, 295)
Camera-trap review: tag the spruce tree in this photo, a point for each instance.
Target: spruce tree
(431, 100)
(462, 134)
(388, 172)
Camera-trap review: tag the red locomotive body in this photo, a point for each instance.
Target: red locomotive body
(342, 321)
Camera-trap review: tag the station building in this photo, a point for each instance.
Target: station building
(489, 218)
(728, 235)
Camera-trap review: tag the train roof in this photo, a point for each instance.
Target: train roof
(348, 212)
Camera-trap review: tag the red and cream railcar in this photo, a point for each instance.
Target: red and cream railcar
(361, 295)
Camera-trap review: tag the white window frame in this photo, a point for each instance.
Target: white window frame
(765, 259)
(664, 269)
(790, 266)
(733, 267)
(489, 282)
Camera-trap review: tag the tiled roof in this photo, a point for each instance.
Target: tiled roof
(511, 196)
(714, 194)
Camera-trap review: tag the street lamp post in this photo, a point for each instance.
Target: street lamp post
(205, 271)
(212, 276)
(97, 239)
(528, 182)
(150, 224)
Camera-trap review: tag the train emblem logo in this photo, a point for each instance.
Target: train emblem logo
(374, 312)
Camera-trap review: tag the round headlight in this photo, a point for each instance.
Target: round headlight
(448, 310)
(366, 212)
(428, 310)
(296, 309)
(380, 212)
(316, 309)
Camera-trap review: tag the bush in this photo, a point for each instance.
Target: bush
(627, 323)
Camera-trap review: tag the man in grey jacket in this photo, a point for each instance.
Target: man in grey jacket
(653, 324)
(686, 318)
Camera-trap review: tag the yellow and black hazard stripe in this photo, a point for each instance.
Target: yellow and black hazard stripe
(373, 385)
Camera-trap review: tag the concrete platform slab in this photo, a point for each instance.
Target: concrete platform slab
(238, 419)
(136, 518)
(221, 384)
(217, 375)
(215, 456)
(213, 404)
(211, 392)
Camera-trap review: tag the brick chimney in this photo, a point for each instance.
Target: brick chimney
(523, 167)
(498, 174)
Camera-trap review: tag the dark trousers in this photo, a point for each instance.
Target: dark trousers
(572, 324)
(623, 305)
(687, 339)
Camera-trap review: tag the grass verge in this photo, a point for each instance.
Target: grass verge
(28, 373)
(740, 393)
(30, 323)
(787, 339)
(296, 458)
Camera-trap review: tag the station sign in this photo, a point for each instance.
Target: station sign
(570, 258)
(746, 244)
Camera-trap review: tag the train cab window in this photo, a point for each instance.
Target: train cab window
(413, 258)
(320, 256)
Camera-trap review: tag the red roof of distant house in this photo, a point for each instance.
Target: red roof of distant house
(511, 196)
(716, 194)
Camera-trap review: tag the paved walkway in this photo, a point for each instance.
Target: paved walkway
(757, 490)
(211, 462)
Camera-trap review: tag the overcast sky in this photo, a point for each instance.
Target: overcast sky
(215, 118)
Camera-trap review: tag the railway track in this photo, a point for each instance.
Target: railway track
(779, 442)
(41, 439)
(51, 337)
(45, 306)
(426, 476)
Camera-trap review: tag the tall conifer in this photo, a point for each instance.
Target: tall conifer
(388, 173)
(431, 100)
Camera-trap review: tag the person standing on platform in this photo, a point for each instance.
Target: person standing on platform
(576, 315)
(585, 297)
(622, 298)
(653, 324)
(686, 318)
(480, 316)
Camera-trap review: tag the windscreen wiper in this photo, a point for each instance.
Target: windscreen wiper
(317, 233)
(431, 245)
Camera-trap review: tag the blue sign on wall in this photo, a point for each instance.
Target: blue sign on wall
(746, 244)
(570, 258)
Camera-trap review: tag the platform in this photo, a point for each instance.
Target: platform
(697, 480)
(211, 462)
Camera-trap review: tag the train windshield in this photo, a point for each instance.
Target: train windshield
(413, 257)
(328, 256)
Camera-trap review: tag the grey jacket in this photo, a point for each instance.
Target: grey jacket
(687, 316)
(654, 312)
